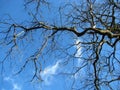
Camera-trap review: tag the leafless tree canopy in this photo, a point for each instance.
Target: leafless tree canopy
(94, 23)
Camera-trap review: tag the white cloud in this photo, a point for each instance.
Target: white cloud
(12, 81)
(7, 79)
(48, 72)
(79, 48)
(80, 62)
(3, 89)
(16, 86)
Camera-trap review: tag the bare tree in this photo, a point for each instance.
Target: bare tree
(94, 23)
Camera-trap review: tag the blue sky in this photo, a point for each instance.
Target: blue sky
(13, 8)
(53, 69)
(53, 80)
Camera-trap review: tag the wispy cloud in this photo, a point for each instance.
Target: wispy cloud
(15, 86)
(48, 72)
(79, 50)
(3, 89)
(80, 62)
(7, 79)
